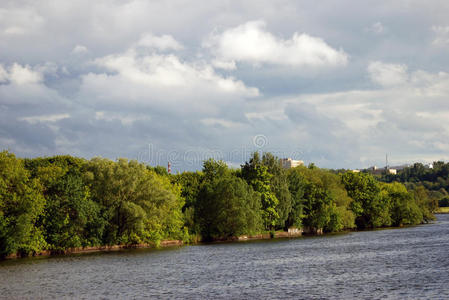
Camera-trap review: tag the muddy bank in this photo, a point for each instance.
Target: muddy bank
(163, 244)
(261, 236)
(166, 243)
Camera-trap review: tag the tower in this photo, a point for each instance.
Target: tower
(169, 168)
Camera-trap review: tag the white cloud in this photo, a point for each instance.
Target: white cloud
(124, 118)
(428, 84)
(252, 43)
(225, 65)
(3, 74)
(18, 22)
(45, 118)
(262, 113)
(20, 75)
(80, 49)
(387, 74)
(220, 122)
(162, 79)
(24, 75)
(48, 68)
(441, 35)
(23, 88)
(163, 42)
(355, 128)
(376, 28)
(169, 71)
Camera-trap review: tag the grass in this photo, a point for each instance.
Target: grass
(443, 210)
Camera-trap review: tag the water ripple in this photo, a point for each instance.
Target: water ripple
(408, 263)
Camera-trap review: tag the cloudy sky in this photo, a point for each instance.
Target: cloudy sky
(337, 83)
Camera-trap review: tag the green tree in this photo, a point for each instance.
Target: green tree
(190, 184)
(257, 176)
(342, 215)
(371, 210)
(226, 205)
(296, 187)
(71, 218)
(160, 170)
(403, 208)
(426, 203)
(279, 184)
(21, 204)
(316, 207)
(324, 202)
(137, 204)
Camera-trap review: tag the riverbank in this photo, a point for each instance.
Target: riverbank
(79, 250)
(442, 210)
(261, 236)
(162, 244)
(295, 233)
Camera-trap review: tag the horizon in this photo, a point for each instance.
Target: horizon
(199, 161)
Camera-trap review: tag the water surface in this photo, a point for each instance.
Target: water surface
(407, 263)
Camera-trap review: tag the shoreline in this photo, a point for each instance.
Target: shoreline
(94, 249)
(163, 244)
(179, 243)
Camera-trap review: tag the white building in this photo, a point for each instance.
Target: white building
(392, 171)
(288, 163)
(379, 171)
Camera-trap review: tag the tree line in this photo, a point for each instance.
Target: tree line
(434, 179)
(63, 202)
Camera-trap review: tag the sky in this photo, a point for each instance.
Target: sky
(337, 83)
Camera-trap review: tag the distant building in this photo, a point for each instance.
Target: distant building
(288, 163)
(379, 171)
(392, 171)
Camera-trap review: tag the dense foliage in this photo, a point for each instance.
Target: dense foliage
(226, 205)
(64, 202)
(435, 180)
(21, 206)
(308, 197)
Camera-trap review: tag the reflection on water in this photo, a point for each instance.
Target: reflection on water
(400, 263)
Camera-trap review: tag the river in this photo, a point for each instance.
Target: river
(406, 263)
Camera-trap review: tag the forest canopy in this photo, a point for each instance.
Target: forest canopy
(62, 202)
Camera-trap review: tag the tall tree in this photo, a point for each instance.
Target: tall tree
(403, 208)
(370, 208)
(190, 184)
(21, 204)
(137, 204)
(257, 176)
(280, 186)
(226, 205)
(296, 187)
